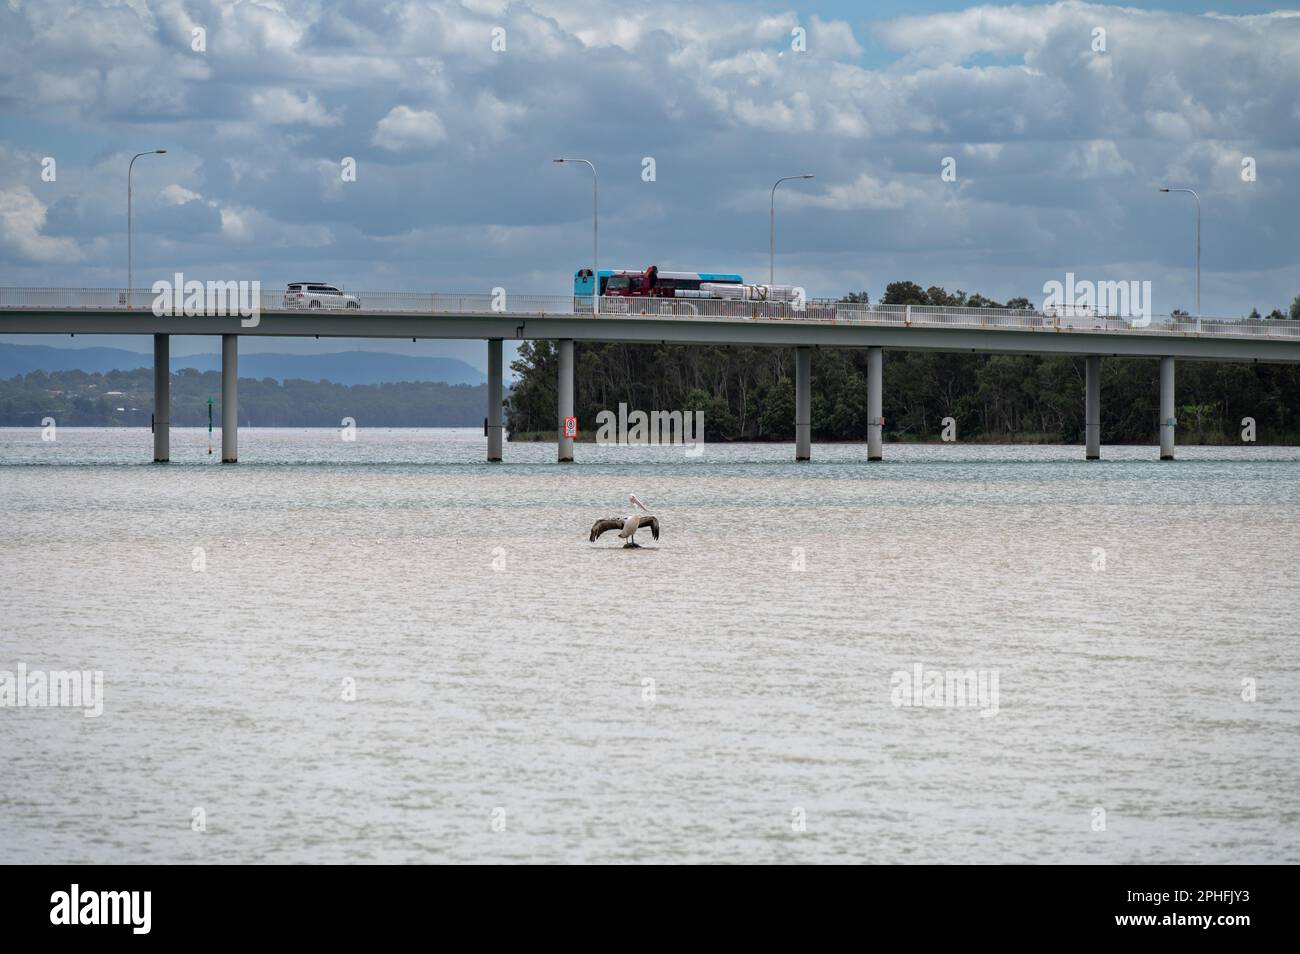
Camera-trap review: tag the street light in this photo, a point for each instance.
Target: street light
(1198, 251)
(130, 166)
(595, 232)
(771, 264)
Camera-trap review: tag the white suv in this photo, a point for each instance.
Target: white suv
(316, 295)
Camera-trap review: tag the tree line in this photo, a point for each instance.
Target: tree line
(747, 393)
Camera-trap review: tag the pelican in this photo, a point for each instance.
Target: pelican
(627, 526)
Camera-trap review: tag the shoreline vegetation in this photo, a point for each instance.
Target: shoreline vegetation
(747, 393)
(987, 440)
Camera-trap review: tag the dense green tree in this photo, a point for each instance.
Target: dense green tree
(904, 293)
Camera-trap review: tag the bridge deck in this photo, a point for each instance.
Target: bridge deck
(686, 321)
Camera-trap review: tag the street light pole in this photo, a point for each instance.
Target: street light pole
(771, 262)
(129, 271)
(595, 232)
(1198, 252)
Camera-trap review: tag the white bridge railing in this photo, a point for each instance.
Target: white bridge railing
(432, 305)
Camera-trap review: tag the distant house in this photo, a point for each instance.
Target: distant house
(54, 392)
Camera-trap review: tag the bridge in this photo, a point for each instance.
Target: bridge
(803, 326)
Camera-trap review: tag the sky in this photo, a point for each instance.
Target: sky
(1057, 122)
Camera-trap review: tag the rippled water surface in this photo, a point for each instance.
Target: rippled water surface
(689, 701)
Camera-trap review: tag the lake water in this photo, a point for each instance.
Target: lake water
(524, 695)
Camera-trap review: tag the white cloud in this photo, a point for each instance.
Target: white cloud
(867, 192)
(22, 218)
(956, 37)
(235, 225)
(280, 106)
(496, 116)
(1096, 159)
(405, 128)
(248, 225)
(832, 38)
(178, 195)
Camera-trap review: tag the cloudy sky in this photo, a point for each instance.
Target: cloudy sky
(453, 110)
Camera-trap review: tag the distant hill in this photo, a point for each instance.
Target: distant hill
(76, 398)
(344, 367)
(22, 359)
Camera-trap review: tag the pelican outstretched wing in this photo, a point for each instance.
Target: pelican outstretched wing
(653, 523)
(609, 523)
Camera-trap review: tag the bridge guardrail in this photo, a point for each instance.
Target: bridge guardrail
(831, 311)
(820, 311)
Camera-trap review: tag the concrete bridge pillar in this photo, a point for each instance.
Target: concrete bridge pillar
(229, 399)
(803, 403)
(1092, 407)
(875, 403)
(1167, 417)
(162, 398)
(494, 399)
(566, 398)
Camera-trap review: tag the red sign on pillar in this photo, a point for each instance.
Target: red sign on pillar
(571, 427)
